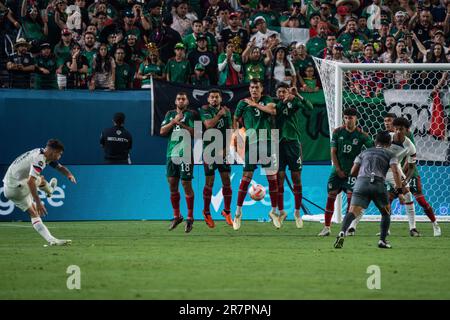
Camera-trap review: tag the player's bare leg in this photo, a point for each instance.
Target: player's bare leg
(175, 200)
(281, 177)
(273, 191)
(189, 193)
(207, 193)
(227, 193)
(297, 181)
(329, 209)
(40, 227)
(243, 187)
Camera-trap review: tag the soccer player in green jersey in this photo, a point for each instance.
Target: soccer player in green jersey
(289, 103)
(173, 125)
(216, 116)
(256, 113)
(346, 143)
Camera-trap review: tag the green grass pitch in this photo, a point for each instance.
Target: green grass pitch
(143, 260)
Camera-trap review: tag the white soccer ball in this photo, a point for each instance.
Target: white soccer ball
(257, 192)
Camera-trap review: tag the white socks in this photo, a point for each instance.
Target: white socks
(41, 229)
(410, 210)
(46, 188)
(238, 210)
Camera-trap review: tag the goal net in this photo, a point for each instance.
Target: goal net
(418, 92)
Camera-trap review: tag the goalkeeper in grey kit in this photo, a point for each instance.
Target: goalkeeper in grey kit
(371, 167)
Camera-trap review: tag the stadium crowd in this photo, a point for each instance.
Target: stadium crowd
(123, 44)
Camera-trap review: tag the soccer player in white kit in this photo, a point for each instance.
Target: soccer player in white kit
(23, 178)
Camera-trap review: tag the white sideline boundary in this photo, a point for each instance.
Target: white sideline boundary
(397, 218)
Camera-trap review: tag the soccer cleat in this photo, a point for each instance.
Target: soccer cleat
(282, 217)
(350, 232)
(175, 222)
(384, 244)
(298, 220)
(339, 243)
(414, 233)
(208, 219)
(275, 219)
(60, 242)
(436, 230)
(52, 185)
(227, 216)
(237, 221)
(189, 225)
(326, 231)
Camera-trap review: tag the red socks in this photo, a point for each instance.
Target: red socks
(243, 187)
(280, 197)
(190, 206)
(329, 209)
(298, 196)
(226, 192)
(175, 199)
(426, 207)
(273, 189)
(207, 192)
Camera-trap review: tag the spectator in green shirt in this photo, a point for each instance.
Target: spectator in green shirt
(45, 77)
(124, 73)
(351, 33)
(151, 68)
(33, 26)
(254, 64)
(178, 68)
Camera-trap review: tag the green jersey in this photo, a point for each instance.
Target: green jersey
(124, 76)
(90, 56)
(178, 72)
(255, 119)
(190, 41)
(46, 81)
(349, 145)
(224, 123)
(315, 45)
(188, 120)
(145, 69)
(287, 123)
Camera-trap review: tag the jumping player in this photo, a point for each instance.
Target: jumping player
(256, 113)
(23, 179)
(290, 102)
(346, 143)
(174, 122)
(371, 167)
(216, 116)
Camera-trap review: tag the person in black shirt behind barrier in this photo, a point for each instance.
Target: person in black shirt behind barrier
(117, 141)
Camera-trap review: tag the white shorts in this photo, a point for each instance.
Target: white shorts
(20, 194)
(390, 178)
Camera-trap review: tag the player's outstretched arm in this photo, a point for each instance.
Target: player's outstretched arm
(66, 172)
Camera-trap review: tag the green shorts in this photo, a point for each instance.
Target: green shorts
(291, 156)
(271, 160)
(364, 192)
(183, 170)
(340, 184)
(211, 168)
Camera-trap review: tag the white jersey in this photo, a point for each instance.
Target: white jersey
(402, 151)
(30, 163)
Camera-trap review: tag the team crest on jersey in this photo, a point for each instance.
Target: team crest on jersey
(355, 141)
(289, 105)
(118, 132)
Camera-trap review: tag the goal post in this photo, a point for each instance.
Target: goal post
(420, 92)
